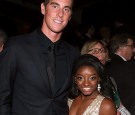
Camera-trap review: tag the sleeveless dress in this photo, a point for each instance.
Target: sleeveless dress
(93, 108)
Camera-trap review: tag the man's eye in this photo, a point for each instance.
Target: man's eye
(54, 6)
(67, 10)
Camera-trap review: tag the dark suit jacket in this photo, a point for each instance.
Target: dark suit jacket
(24, 85)
(124, 74)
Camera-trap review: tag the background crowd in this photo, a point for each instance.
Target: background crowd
(108, 54)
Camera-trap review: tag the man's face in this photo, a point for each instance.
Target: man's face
(127, 50)
(57, 13)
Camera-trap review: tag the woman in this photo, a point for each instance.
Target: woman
(98, 49)
(89, 94)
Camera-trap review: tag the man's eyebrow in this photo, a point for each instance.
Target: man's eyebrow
(54, 3)
(68, 7)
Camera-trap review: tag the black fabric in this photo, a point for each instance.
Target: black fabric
(51, 65)
(60, 58)
(124, 74)
(25, 61)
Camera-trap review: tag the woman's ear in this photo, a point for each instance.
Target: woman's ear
(42, 8)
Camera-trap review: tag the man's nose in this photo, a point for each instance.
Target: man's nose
(61, 13)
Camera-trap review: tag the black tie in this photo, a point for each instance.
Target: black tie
(51, 65)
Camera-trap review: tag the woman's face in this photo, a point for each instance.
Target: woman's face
(87, 80)
(99, 51)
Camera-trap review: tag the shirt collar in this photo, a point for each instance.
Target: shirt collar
(45, 41)
(122, 57)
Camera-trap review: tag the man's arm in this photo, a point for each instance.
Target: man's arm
(6, 81)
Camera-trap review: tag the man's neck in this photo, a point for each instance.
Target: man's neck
(54, 37)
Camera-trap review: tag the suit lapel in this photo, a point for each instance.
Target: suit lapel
(36, 54)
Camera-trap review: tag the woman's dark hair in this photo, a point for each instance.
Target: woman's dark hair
(119, 40)
(90, 60)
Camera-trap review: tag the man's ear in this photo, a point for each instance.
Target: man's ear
(42, 8)
(120, 49)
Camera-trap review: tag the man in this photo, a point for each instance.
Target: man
(122, 69)
(25, 85)
(3, 38)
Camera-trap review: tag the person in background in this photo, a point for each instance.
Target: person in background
(88, 31)
(89, 95)
(121, 68)
(26, 86)
(3, 39)
(98, 48)
(105, 33)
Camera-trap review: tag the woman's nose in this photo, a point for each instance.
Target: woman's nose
(86, 82)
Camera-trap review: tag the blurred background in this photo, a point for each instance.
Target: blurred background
(23, 16)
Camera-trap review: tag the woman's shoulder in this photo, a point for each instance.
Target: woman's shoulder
(108, 106)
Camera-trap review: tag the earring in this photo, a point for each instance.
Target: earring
(99, 87)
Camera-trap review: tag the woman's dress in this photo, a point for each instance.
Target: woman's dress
(93, 108)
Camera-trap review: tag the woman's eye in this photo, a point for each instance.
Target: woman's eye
(92, 78)
(79, 78)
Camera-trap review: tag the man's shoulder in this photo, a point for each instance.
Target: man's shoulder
(23, 36)
(20, 40)
(116, 59)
